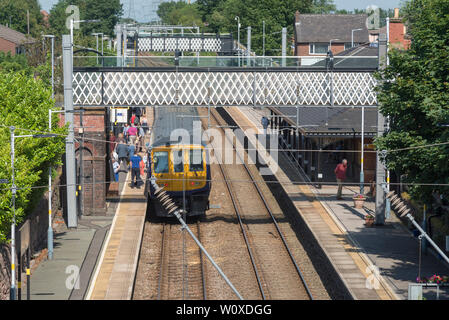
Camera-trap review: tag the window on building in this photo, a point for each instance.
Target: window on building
(318, 48)
(349, 45)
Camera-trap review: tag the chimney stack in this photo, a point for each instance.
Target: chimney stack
(297, 16)
(396, 13)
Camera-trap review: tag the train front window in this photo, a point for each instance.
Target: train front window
(178, 161)
(196, 160)
(160, 160)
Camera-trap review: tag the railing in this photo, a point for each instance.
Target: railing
(368, 63)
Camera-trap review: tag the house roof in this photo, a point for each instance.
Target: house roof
(341, 121)
(13, 35)
(324, 27)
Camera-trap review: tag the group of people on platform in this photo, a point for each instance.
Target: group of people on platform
(126, 147)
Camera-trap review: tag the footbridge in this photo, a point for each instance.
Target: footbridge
(215, 81)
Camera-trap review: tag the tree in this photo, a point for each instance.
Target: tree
(14, 14)
(107, 11)
(24, 103)
(414, 94)
(323, 6)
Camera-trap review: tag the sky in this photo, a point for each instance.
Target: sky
(143, 7)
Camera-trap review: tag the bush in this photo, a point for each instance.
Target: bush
(24, 103)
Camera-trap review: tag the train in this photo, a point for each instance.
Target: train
(179, 165)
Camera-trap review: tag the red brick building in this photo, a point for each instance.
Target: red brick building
(12, 41)
(314, 32)
(397, 32)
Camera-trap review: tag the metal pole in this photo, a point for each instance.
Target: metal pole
(263, 38)
(238, 40)
(50, 229)
(380, 168)
(52, 67)
(96, 39)
(119, 45)
(352, 38)
(424, 234)
(28, 273)
(248, 48)
(284, 45)
(70, 140)
(362, 175)
(125, 47)
(81, 192)
(12, 292)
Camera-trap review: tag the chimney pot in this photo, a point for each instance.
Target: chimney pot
(396, 13)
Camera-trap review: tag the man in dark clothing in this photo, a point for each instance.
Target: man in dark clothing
(135, 170)
(265, 123)
(122, 152)
(340, 173)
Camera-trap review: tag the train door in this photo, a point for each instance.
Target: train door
(178, 161)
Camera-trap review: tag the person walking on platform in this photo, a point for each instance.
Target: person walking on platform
(122, 152)
(132, 133)
(125, 131)
(265, 123)
(135, 170)
(340, 173)
(116, 167)
(131, 150)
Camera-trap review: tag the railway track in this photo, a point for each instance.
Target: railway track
(182, 270)
(266, 244)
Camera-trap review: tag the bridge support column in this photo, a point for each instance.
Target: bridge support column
(71, 205)
(380, 168)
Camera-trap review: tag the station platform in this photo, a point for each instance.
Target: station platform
(373, 262)
(113, 278)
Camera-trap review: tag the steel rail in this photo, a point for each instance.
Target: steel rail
(237, 212)
(163, 249)
(298, 270)
(203, 276)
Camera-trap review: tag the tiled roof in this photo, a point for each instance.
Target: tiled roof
(13, 35)
(340, 120)
(324, 27)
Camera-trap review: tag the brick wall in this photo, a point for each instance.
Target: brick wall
(397, 35)
(7, 46)
(94, 160)
(302, 49)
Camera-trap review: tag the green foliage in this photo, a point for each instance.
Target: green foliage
(14, 14)
(24, 103)
(107, 11)
(219, 16)
(415, 95)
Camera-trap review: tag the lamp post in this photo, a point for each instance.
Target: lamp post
(330, 43)
(12, 292)
(96, 34)
(238, 37)
(52, 37)
(362, 175)
(352, 37)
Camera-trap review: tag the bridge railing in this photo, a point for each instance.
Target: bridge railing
(222, 86)
(323, 63)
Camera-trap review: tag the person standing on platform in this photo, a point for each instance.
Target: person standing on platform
(116, 167)
(132, 133)
(340, 173)
(122, 152)
(125, 131)
(265, 123)
(135, 170)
